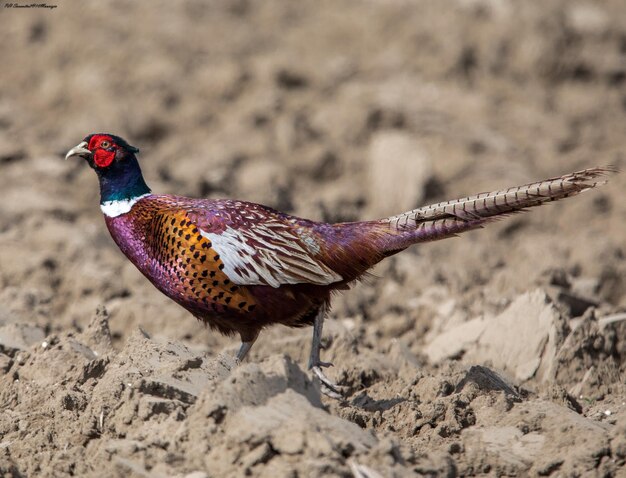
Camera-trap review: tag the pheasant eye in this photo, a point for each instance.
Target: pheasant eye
(105, 144)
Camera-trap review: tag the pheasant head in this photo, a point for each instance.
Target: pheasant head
(116, 165)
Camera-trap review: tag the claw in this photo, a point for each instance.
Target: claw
(328, 387)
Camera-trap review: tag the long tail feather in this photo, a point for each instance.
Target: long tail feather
(449, 218)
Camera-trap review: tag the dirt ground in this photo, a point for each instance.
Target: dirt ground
(499, 353)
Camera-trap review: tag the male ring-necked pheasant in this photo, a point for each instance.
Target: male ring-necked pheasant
(240, 267)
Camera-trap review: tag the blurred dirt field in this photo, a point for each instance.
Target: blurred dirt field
(498, 353)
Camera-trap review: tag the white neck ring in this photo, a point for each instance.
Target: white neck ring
(119, 207)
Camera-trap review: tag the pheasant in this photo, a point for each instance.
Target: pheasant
(240, 267)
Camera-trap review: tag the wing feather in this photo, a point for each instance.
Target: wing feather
(268, 254)
(256, 244)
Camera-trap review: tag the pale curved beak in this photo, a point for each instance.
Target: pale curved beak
(79, 150)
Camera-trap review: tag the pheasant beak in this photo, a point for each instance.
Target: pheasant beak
(78, 150)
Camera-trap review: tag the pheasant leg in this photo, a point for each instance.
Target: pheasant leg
(244, 349)
(328, 387)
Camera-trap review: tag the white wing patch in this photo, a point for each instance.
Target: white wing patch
(268, 254)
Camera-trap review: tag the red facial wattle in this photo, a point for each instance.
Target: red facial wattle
(103, 158)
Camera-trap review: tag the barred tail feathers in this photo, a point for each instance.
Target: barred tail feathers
(445, 219)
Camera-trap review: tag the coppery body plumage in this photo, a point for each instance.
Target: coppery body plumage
(240, 267)
(162, 236)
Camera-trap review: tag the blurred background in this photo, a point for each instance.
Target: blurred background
(334, 111)
(329, 110)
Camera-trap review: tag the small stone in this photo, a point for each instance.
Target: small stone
(22, 358)
(261, 454)
(196, 474)
(587, 18)
(16, 337)
(5, 363)
(523, 340)
(289, 444)
(11, 153)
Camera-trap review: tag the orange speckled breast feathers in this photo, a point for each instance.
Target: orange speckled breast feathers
(193, 265)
